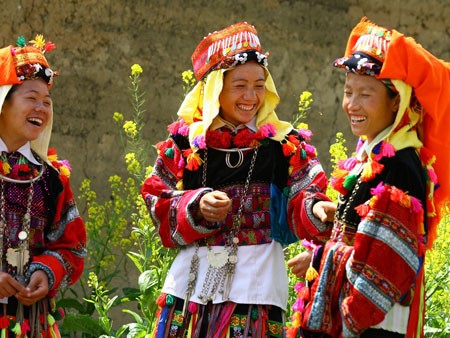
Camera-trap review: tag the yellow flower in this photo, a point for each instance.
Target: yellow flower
(302, 125)
(38, 41)
(188, 76)
(130, 157)
(130, 128)
(136, 70)
(118, 117)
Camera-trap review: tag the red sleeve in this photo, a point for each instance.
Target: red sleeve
(308, 183)
(171, 208)
(385, 259)
(63, 258)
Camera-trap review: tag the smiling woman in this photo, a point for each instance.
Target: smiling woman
(42, 237)
(230, 186)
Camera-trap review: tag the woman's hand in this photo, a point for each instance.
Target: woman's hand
(36, 290)
(214, 206)
(9, 286)
(324, 210)
(300, 263)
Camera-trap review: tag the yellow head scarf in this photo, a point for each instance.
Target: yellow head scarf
(201, 105)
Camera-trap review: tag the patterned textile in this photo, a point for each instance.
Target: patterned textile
(178, 228)
(375, 253)
(58, 238)
(220, 320)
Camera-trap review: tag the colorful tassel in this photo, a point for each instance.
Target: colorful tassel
(169, 152)
(350, 181)
(311, 274)
(362, 210)
(17, 330)
(268, 130)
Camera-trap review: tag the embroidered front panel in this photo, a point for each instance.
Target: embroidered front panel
(15, 204)
(255, 226)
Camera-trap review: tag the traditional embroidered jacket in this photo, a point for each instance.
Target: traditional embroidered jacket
(376, 250)
(57, 240)
(389, 213)
(276, 195)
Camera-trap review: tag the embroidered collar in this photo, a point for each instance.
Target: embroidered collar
(25, 151)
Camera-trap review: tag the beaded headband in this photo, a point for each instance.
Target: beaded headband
(366, 49)
(226, 48)
(26, 62)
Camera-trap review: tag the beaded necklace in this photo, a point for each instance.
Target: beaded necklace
(19, 257)
(221, 263)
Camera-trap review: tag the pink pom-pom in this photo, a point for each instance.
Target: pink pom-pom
(184, 130)
(387, 149)
(349, 163)
(378, 190)
(268, 130)
(416, 205)
(432, 175)
(200, 142)
(173, 127)
(305, 133)
(193, 307)
(310, 150)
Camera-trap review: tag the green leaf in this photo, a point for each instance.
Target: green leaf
(136, 316)
(71, 303)
(82, 324)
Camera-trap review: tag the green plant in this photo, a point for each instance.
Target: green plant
(437, 272)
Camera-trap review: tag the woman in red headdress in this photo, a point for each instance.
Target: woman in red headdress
(42, 236)
(392, 193)
(231, 185)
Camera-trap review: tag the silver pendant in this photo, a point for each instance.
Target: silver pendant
(23, 235)
(217, 258)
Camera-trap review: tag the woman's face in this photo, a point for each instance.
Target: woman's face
(25, 114)
(368, 106)
(243, 93)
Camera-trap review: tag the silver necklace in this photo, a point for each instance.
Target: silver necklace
(221, 262)
(20, 256)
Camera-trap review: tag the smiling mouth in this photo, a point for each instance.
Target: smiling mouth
(35, 121)
(246, 107)
(357, 119)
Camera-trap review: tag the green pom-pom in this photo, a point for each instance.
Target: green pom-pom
(169, 300)
(21, 42)
(350, 182)
(254, 314)
(286, 191)
(169, 152)
(303, 154)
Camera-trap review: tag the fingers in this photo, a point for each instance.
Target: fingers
(324, 210)
(300, 263)
(214, 206)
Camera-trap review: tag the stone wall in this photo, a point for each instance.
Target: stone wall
(98, 40)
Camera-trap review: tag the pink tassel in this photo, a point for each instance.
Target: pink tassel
(184, 130)
(416, 205)
(268, 130)
(305, 133)
(432, 175)
(378, 190)
(387, 149)
(310, 150)
(349, 163)
(193, 307)
(173, 127)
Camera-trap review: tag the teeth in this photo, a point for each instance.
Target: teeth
(35, 121)
(357, 119)
(245, 107)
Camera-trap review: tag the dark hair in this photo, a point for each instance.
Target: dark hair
(11, 91)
